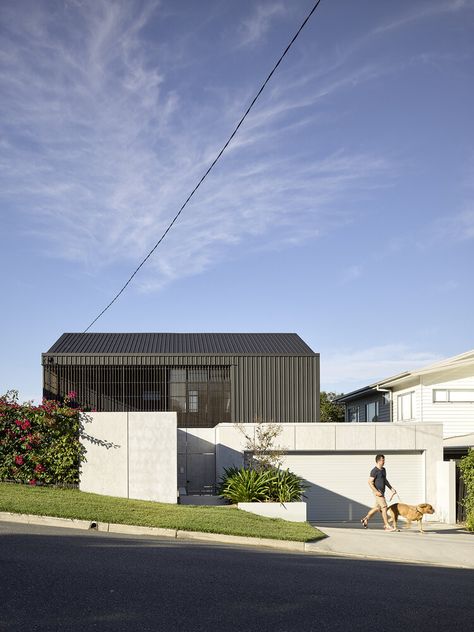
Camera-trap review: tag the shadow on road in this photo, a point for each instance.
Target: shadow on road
(53, 580)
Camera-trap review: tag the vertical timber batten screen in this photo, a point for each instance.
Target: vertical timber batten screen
(204, 390)
(199, 394)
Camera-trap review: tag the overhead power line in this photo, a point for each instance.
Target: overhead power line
(254, 100)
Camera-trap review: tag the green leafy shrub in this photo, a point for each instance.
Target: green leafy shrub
(270, 485)
(40, 444)
(286, 487)
(245, 485)
(466, 465)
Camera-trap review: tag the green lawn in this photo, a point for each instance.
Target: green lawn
(72, 503)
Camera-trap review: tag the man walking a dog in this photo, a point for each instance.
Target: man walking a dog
(378, 482)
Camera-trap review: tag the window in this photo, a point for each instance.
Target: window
(149, 396)
(177, 390)
(453, 395)
(353, 414)
(405, 406)
(193, 401)
(371, 411)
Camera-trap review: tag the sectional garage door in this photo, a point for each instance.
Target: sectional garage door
(338, 488)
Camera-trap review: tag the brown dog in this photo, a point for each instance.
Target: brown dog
(410, 513)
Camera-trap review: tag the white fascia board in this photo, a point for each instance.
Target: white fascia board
(460, 361)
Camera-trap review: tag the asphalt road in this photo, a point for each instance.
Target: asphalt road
(59, 579)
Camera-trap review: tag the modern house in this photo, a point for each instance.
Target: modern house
(207, 378)
(168, 405)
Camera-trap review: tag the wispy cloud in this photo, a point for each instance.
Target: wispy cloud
(253, 29)
(424, 11)
(350, 369)
(448, 286)
(99, 152)
(453, 228)
(351, 273)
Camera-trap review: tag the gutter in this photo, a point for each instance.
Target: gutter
(386, 390)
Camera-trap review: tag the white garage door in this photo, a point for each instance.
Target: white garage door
(338, 488)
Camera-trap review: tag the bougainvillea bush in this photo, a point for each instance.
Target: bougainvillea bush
(40, 444)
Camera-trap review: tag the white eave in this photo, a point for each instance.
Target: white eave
(455, 362)
(460, 441)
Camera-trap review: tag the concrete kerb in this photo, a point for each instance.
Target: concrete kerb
(177, 534)
(331, 545)
(287, 545)
(45, 521)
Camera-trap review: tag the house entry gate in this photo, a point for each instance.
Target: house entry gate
(197, 460)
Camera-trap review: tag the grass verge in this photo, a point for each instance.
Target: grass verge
(72, 503)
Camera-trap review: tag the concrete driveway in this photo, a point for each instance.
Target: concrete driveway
(441, 544)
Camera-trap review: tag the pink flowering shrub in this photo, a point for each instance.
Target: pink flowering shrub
(40, 444)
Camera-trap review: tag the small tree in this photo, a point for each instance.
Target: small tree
(264, 455)
(466, 465)
(330, 411)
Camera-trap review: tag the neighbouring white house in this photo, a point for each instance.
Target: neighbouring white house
(442, 393)
(439, 393)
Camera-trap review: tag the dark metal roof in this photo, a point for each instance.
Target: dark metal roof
(361, 392)
(166, 343)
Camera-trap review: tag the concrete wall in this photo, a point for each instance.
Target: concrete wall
(135, 455)
(376, 437)
(292, 512)
(446, 501)
(131, 455)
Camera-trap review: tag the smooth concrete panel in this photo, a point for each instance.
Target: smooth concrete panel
(400, 436)
(429, 437)
(227, 457)
(315, 437)
(355, 436)
(446, 492)
(230, 435)
(105, 440)
(286, 439)
(153, 456)
(230, 446)
(182, 438)
(199, 440)
(292, 512)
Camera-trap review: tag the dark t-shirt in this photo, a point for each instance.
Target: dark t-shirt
(380, 479)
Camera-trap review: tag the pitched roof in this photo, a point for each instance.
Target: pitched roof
(454, 362)
(173, 343)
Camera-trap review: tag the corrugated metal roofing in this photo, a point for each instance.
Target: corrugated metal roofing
(172, 343)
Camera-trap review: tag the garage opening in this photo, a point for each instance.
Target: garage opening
(338, 490)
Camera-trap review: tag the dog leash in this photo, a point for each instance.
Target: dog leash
(393, 496)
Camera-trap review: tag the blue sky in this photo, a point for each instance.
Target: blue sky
(342, 211)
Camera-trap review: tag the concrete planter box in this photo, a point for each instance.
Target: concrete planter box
(293, 512)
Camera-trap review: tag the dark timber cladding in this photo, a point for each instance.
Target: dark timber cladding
(206, 378)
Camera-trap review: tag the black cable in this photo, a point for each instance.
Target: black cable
(212, 164)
